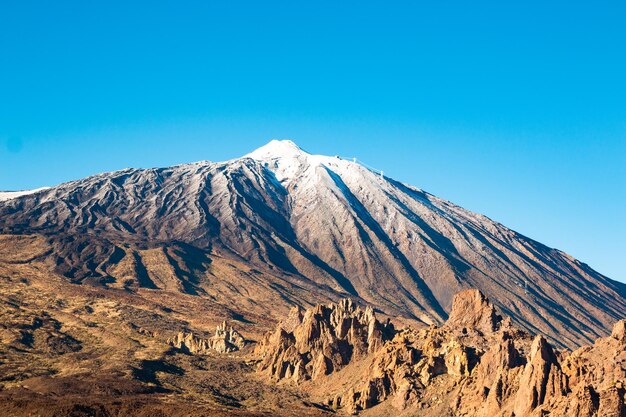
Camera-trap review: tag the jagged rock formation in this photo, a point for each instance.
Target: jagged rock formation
(476, 365)
(280, 227)
(223, 341)
(321, 341)
(473, 311)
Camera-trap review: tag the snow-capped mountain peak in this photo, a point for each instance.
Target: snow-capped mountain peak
(288, 161)
(276, 149)
(317, 228)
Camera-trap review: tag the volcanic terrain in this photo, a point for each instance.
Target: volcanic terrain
(114, 290)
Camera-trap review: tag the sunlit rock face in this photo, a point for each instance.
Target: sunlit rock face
(477, 364)
(320, 341)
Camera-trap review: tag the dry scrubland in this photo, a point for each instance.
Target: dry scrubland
(70, 349)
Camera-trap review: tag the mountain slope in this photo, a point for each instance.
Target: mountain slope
(307, 228)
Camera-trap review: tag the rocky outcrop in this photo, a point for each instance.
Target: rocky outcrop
(540, 380)
(619, 331)
(320, 341)
(476, 365)
(224, 340)
(597, 376)
(401, 370)
(472, 311)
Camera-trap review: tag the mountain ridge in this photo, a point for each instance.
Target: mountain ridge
(321, 222)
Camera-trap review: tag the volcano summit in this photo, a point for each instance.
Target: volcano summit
(279, 227)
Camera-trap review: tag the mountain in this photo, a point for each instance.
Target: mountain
(279, 227)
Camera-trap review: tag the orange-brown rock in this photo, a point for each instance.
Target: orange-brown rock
(321, 341)
(224, 340)
(541, 378)
(471, 310)
(476, 365)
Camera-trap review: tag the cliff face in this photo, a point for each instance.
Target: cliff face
(476, 364)
(321, 341)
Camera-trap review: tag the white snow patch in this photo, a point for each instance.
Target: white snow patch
(10, 195)
(276, 149)
(289, 162)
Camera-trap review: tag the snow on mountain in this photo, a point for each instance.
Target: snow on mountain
(314, 228)
(8, 195)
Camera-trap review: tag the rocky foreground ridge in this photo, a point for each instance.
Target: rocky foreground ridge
(79, 350)
(476, 364)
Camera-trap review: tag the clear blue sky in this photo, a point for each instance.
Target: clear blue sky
(517, 111)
